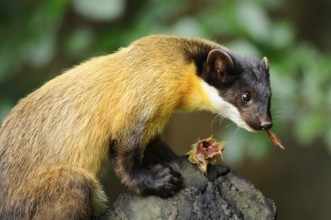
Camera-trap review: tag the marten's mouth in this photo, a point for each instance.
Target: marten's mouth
(260, 126)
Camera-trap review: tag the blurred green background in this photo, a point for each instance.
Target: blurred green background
(40, 39)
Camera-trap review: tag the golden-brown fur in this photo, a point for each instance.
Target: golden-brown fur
(54, 144)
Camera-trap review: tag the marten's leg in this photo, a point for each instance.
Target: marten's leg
(157, 151)
(150, 178)
(60, 193)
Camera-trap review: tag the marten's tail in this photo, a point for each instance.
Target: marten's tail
(60, 193)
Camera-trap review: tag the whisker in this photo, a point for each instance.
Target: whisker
(229, 124)
(279, 95)
(215, 119)
(280, 112)
(221, 119)
(236, 131)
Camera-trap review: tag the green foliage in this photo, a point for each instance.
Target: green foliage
(39, 41)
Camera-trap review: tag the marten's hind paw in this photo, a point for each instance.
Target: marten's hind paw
(160, 180)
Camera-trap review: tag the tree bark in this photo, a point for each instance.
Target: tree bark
(222, 194)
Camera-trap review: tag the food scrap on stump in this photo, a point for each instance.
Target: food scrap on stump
(205, 151)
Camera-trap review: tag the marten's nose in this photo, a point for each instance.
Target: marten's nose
(265, 125)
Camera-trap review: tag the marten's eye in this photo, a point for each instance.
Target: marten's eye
(246, 97)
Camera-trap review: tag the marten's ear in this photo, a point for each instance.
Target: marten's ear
(265, 63)
(220, 63)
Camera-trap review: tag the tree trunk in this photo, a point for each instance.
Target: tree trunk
(222, 194)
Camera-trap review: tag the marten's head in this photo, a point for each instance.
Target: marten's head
(239, 89)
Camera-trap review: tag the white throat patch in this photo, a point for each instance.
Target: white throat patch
(224, 108)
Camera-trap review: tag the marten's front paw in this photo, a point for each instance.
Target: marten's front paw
(160, 180)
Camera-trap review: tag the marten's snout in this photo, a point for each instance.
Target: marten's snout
(265, 125)
(259, 124)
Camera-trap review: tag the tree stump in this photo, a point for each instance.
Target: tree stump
(222, 194)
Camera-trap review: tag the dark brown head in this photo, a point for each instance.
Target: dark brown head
(242, 84)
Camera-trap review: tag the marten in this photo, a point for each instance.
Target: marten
(56, 143)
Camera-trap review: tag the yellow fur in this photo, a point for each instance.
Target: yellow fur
(194, 97)
(70, 120)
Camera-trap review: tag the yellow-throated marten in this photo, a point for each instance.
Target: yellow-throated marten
(56, 142)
